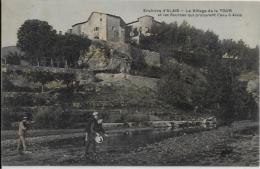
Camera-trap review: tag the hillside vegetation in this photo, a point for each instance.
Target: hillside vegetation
(71, 76)
(222, 61)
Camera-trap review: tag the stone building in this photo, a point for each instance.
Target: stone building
(142, 26)
(101, 26)
(113, 28)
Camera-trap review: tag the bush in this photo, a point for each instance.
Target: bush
(6, 84)
(13, 58)
(7, 118)
(52, 118)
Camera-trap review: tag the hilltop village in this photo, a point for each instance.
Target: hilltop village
(113, 28)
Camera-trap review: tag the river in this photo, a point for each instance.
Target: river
(128, 147)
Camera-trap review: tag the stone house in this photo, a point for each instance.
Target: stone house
(142, 26)
(101, 26)
(112, 28)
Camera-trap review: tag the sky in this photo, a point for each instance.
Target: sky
(61, 14)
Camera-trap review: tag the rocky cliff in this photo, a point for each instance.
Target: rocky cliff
(117, 57)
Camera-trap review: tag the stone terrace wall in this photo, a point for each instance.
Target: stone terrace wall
(81, 74)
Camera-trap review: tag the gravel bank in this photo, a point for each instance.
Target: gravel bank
(223, 146)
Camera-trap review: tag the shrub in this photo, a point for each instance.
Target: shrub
(9, 117)
(55, 118)
(13, 58)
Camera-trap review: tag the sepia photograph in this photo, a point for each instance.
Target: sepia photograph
(130, 83)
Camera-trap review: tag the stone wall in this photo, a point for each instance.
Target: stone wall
(99, 21)
(143, 25)
(76, 29)
(81, 74)
(101, 26)
(115, 32)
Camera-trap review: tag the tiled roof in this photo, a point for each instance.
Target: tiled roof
(99, 13)
(142, 17)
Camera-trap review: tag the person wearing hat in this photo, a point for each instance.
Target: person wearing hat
(93, 131)
(22, 128)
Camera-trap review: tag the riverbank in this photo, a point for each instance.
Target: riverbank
(236, 145)
(8, 137)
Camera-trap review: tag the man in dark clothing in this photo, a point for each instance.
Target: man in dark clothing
(92, 130)
(100, 127)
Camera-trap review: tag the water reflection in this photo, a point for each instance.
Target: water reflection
(129, 139)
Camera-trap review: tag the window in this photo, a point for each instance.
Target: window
(96, 28)
(113, 28)
(100, 19)
(146, 29)
(135, 31)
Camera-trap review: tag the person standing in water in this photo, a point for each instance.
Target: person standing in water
(92, 130)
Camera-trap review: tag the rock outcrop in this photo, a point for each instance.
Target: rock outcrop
(105, 56)
(117, 57)
(152, 58)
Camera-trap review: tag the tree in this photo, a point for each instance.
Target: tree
(69, 47)
(39, 41)
(36, 38)
(181, 87)
(225, 95)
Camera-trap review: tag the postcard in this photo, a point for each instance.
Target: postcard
(130, 83)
